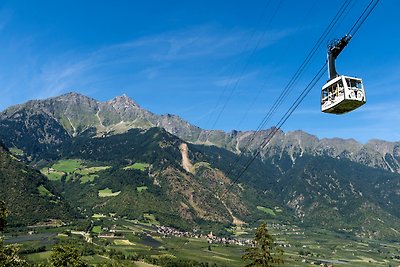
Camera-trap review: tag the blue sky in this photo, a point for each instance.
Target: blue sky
(217, 64)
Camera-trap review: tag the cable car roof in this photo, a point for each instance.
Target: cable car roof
(334, 80)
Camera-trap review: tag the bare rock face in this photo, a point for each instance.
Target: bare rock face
(122, 103)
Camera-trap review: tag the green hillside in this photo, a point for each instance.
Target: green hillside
(30, 197)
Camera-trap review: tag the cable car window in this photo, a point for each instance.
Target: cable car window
(324, 94)
(359, 86)
(336, 90)
(340, 87)
(354, 84)
(331, 92)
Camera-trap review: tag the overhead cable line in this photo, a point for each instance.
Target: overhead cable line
(262, 87)
(288, 88)
(367, 11)
(284, 118)
(303, 65)
(357, 25)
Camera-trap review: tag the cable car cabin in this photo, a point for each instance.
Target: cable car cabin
(342, 94)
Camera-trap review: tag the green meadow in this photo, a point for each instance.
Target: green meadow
(137, 166)
(72, 168)
(108, 193)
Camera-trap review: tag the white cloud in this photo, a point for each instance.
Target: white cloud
(176, 53)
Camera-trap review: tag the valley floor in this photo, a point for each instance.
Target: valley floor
(134, 243)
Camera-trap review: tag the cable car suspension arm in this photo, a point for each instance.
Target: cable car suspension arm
(334, 49)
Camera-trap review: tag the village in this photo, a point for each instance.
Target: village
(166, 231)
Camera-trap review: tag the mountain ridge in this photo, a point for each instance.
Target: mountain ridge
(77, 114)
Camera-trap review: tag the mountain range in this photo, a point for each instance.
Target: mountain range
(298, 178)
(72, 115)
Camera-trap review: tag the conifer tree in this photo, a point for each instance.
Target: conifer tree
(265, 253)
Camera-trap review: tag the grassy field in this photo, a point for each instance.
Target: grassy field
(89, 174)
(41, 257)
(88, 178)
(266, 210)
(72, 168)
(96, 229)
(68, 165)
(141, 188)
(123, 242)
(199, 249)
(16, 151)
(98, 216)
(150, 219)
(52, 175)
(43, 191)
(137, 166)
(108, 193)
(92, 170)
(61, 168)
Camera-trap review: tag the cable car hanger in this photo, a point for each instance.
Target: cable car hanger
(340, 94)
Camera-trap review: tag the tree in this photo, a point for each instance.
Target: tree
(3, 215)
(8, 254)
(66, 256)
(266, 252)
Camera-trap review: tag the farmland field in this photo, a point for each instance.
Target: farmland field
(129, 239)
(72, 168)
(67, 166)
(123, 242)
(52, 174)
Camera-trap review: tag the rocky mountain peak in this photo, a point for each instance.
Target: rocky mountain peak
(123, 101)
(72, 96)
